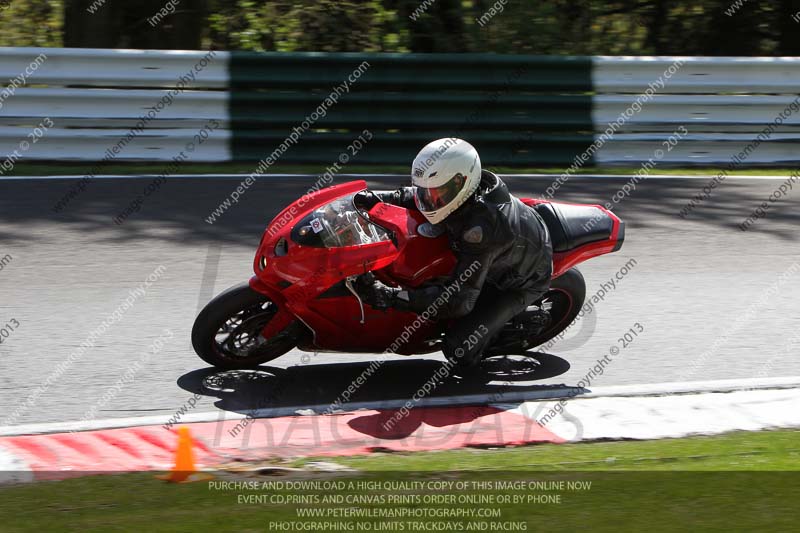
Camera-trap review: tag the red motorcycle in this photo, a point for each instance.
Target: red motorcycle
(312, 254)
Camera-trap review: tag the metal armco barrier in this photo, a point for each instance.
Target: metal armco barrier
(517, 110)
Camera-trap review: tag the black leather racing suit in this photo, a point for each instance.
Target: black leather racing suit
(505, 261)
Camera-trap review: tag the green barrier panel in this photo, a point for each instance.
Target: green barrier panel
(517, 110)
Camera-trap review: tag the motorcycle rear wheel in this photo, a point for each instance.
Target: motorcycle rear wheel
(566, 296)
(226, 333)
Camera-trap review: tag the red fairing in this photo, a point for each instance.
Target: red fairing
(421, 258)
(296, 280)
(296, 276)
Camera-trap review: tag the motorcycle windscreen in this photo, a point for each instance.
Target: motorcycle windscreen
(335, 225)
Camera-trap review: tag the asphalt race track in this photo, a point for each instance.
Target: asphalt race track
(709, 297)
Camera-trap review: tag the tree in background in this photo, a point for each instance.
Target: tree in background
(584, 27)
(32, 23)
(117, 24)
(321, 25)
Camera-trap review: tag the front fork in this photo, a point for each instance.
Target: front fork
(282, 319)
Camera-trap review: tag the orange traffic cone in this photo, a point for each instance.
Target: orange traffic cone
(184, 470)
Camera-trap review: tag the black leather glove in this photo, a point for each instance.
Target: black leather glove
(365, 200)
(375, 293)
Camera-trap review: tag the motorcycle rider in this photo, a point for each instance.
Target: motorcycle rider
(502, 246)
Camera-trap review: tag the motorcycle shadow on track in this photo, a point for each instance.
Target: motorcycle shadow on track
(274, 391)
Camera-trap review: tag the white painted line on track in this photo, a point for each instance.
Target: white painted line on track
(659, 417)
(547, 392)
(13, 469)
(552, 392)
(694, 387)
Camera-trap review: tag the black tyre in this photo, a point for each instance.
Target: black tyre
(565, 297)
(226, 333)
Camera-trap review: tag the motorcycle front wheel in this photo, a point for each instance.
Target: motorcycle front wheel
(227, 332)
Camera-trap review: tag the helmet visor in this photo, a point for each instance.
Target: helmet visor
(435, 198)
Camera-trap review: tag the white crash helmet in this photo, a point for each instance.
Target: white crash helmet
(445, 173)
